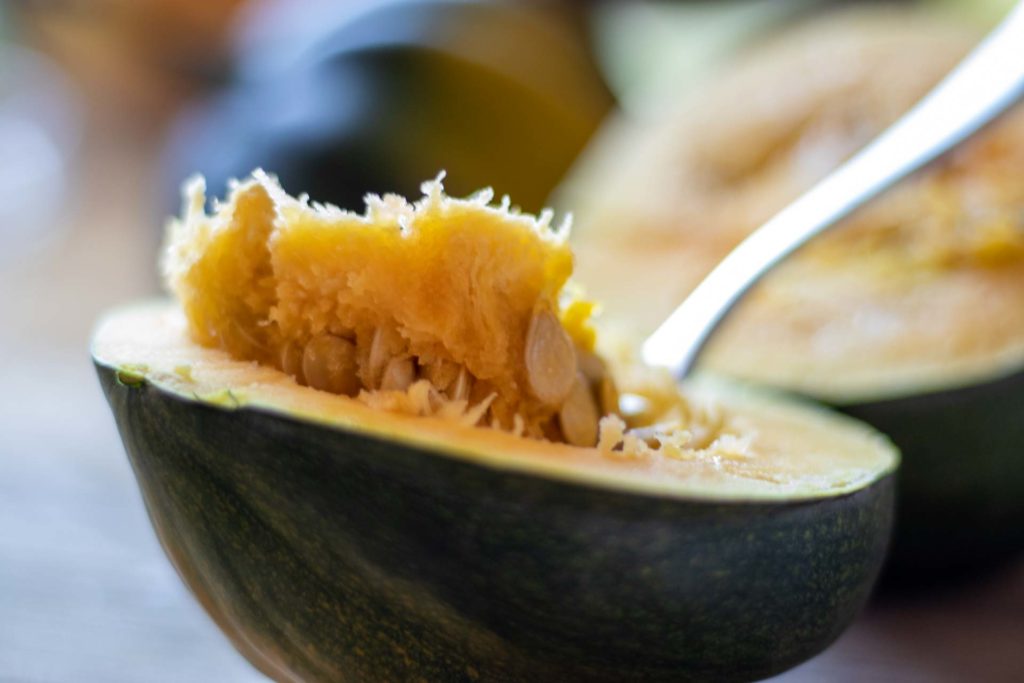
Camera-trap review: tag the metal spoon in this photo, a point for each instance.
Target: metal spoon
(985, 84)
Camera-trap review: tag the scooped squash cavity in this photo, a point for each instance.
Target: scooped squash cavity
(460, 311)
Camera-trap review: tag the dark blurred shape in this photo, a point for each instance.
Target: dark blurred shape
(381, 96)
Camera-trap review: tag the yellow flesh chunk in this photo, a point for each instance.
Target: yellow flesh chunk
(432, 289)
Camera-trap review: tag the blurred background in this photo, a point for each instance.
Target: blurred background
(107, 105)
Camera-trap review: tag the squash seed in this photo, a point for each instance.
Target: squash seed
(596, 372)
(386, 344)
(608, 396)
(462, 386)
(291, 361)
(550, 358)
(399, 374)
(578, 416)
(329, 364)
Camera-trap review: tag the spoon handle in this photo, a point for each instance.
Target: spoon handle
(986, 83)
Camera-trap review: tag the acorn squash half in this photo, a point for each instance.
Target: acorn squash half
(910, 316)
(309, 432)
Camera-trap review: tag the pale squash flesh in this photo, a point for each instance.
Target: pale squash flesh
(795, 451)
(442, 287)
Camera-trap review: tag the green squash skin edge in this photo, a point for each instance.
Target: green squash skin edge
(330, 555)
(960, 506)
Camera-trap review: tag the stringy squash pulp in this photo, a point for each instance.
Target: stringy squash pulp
(458, 312)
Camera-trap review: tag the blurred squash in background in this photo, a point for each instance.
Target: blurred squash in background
(910, 316)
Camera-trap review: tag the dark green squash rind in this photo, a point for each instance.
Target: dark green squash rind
(330, 555)
(961, 483)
